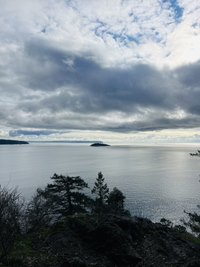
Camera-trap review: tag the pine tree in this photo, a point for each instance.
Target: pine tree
(38, 212)
(64, 195)
(101, 191)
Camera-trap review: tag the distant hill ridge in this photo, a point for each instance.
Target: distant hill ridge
(12, 142)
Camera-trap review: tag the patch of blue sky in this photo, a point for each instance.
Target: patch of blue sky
(126, 39)
(177, 9)
(100, 29)
(136, 38)
(156, 36)
(134, 17)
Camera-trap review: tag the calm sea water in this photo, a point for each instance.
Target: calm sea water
(157, 181)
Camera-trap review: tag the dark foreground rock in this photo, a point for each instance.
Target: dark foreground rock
(84, 241)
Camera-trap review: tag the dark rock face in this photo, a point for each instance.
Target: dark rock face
(12, 142)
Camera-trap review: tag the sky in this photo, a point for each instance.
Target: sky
(122, 71)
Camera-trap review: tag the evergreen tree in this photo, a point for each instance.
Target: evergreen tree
(64, 195)
(38, 212)
(101, 191)
(116, 201)
(193, 223)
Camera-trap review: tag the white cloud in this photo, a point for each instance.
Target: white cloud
(113, 31)
(115, 35)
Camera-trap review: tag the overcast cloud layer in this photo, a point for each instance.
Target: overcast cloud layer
(89, 65)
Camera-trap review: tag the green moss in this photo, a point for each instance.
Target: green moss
(190, 238)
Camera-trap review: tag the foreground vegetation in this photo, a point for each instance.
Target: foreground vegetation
(63, 226)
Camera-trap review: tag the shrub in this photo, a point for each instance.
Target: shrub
(11, 211)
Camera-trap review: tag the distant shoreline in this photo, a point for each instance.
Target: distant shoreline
(12, 142)
(63, 141)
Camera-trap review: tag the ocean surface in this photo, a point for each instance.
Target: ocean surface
(158, 181)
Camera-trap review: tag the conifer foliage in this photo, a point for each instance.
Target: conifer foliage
(194, 222)
(65, 196)
(116, 201)
(38, 212)
(101, 191)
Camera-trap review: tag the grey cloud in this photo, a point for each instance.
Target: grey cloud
(189, 75)
(156, 124)
(189, 90)
(96, 88)
(15, 133)
(45, 68)
(55, 89)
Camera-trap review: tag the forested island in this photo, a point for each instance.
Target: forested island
(12, 142)
(99, 144)
(64, 226)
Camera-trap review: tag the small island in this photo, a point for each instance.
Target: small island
(196, 153)
(99, 144)
(12, 142)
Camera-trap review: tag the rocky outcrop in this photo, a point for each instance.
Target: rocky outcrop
(86, 241)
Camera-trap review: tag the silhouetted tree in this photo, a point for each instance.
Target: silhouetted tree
(116, 201)
(38, 212)
(193, 223)
(64, 195)
(11, 210)
(101, 191)
(166, 222)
